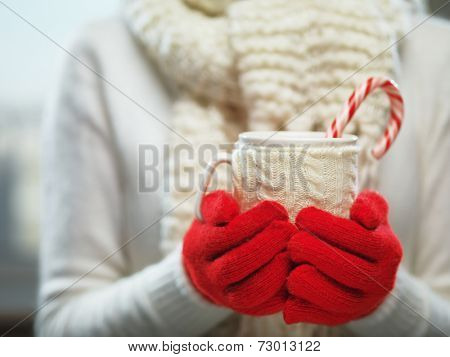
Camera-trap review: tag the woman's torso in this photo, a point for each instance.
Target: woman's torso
(139, 107)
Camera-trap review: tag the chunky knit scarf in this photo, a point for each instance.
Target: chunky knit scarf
(262, 65)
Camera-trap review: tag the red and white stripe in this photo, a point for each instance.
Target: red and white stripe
(339, 123)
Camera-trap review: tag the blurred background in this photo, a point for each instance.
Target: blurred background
(27, 70)
(28, 64)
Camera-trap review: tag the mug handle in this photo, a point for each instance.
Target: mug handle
(224, 158)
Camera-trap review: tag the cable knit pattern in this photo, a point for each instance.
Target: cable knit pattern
(265, 65)
(326, 179)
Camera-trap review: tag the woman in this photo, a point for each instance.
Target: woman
(201, 72)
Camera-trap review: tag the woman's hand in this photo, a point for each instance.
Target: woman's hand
(345, 267)
(240, 260)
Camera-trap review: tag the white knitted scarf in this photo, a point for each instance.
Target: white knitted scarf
(258, 65)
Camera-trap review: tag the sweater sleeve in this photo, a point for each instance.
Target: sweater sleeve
(85, 287)
(420, 302)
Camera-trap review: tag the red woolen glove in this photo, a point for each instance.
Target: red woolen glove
(240, 260)
(346, 267)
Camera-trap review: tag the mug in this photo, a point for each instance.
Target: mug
(295, 169)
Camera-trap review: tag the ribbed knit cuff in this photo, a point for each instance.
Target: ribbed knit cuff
(180, 309)
(403, 313)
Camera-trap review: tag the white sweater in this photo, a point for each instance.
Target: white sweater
(96, 281)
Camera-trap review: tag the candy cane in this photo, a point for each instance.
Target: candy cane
(396, 114)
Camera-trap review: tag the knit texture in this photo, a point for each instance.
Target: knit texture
(318, 174)
(346, 267)
(77, 131)
(240, 260)
(259, 65)
(257, 68)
